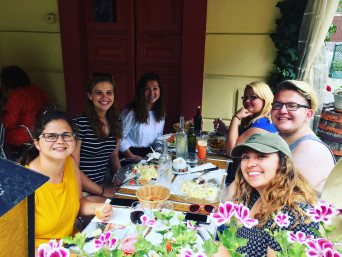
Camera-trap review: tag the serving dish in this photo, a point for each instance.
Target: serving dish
(211, 183)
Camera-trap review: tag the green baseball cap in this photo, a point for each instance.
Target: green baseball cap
(264, 143)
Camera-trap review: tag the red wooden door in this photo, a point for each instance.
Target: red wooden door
(162, 36)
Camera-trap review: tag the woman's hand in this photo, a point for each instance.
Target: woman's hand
(220, 126)
(106, 211)
(243, 113)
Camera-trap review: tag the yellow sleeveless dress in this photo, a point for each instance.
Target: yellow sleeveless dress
(56, 207)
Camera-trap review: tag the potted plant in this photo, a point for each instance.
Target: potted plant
(180, 240)
(338, 98)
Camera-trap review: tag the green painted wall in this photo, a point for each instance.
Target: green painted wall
(238, 51)
(28, 40)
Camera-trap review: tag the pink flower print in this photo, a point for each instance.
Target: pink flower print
(112, 243)
(224, 212)
(338, 212)
(322, 211)
(282, 220)
(328, 88)
(187, 253)
(317, 247)
(146, 221)
(192, 227)
(190, 253)
(102, 240)
(53, 249)
(242, 213)
(299, 237)
(330, 253)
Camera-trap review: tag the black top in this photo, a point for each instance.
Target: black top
(94, 155)
(259, 239)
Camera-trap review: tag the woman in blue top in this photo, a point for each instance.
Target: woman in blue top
(253, 117)
(143, 120)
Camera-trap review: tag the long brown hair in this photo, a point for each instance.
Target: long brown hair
(287, 188)
(112, 114)
(139, 104)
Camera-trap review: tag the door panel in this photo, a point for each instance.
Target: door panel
(155, 17)
(159, 53)
(109, 51)
(124, 20)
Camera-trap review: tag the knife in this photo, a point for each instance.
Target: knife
(205, 171)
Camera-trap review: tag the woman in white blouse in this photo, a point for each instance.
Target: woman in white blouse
(143, 120)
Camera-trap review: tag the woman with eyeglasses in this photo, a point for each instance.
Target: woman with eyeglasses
(253, 117)
(143, 120)
(99, 137)
(269, 184)
(59, 201)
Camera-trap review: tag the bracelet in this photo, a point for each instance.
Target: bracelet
(102, 191)
(236, 117)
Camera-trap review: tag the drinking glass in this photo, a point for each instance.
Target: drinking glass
(202, 144)
(137, 210)
(192, 160)
(166, 205)
(128, 242)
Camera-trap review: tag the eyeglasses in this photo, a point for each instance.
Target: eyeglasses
(289, 106)
(197, 207)
(251, 97)
(53, 137)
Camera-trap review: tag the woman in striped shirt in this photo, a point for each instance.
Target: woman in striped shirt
(99, 136)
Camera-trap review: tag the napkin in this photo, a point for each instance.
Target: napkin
(120, 216)
(154, 155)
(202, 167)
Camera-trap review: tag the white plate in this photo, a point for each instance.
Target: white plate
(166, 136)
(181, 173)
(177, 184)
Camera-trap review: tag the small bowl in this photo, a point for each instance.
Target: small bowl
(179, 165)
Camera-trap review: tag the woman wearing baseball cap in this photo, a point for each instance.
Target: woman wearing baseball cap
(268, 183)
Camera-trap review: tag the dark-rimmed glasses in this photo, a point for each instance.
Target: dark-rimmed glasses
(53, 137)
(197, 207)
(251, 97)
(289, 106)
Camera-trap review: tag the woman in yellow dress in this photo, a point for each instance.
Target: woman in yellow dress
(59, 201)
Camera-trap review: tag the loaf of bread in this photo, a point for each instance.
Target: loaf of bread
(99, 212)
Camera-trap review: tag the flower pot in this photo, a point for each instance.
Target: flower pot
(338, 101)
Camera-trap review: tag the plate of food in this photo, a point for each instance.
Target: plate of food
(198, 189)
(171, 139)
(139, 174)
(217, 144)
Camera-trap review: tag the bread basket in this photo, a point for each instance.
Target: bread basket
(152, 194)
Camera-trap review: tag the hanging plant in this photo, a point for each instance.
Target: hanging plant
(286, 40)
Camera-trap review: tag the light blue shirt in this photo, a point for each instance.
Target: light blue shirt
(137, 134)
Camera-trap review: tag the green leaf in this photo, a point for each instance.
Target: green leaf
(210, 247)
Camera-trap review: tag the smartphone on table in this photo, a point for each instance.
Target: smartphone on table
(198, 217)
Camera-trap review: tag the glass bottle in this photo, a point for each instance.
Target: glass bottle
(198, 122)
(191, 140)
(165, 166)
(181, 140)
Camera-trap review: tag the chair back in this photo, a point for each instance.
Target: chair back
(28, 131)
(332, 192)
(2, 139)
